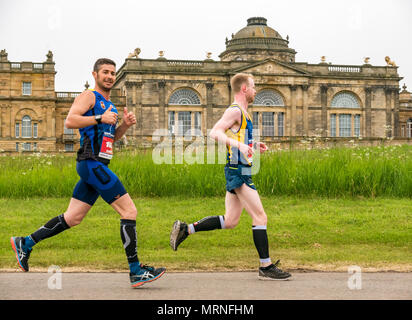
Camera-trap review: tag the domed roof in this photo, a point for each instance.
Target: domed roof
(257, 41)
(257, 28)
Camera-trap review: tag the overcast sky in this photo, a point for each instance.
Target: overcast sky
(79, 32)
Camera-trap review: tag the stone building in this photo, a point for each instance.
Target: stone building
(294, 99)
(32, 113)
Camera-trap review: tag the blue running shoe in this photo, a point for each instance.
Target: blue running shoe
(22, 253)
(146, 274)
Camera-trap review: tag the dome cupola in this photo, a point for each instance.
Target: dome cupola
(257, 41)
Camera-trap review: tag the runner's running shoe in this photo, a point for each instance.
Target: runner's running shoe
(272, 272)
(178, 234)
(22, 252)
(146, 274)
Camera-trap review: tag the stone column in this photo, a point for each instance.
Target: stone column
(324, 105)
(292, 122)
(53, 122)
(388, 96)
(368, 112)
(44, 122)
(162, 104)
(209, 105)
(1, 120)
(130, 94)
(396, 124)
(139, 110)
(8, 119)
(305, 115)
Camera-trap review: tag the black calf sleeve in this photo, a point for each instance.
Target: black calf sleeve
(260, 239)
(129, 239)
(208, 223)
(50, 229)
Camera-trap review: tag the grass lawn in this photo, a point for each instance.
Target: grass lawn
(305, 233)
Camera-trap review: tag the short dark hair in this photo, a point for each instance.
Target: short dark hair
(102, 61)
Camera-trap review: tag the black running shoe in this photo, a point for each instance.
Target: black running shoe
(22, 253)
(146, 274)
(178, 234)
(272, 272)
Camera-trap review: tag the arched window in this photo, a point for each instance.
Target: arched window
(268, 97)
(26, 130)
(345, 100)
(184, 97)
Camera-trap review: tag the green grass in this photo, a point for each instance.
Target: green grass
(309, 233)
(384, 171)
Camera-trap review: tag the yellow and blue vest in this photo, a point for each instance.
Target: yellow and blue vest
(243, 135)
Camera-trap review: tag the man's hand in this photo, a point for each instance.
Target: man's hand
(128, 117)
(261, 146)
(109, 117)
(245, 149)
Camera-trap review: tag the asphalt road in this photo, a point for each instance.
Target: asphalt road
(206, 286)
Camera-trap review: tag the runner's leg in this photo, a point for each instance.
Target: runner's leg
(250, 200)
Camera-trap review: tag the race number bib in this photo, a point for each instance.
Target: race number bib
(250, 157)
(106, 151)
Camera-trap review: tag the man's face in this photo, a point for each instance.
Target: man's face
(250, 92)
(105, 77)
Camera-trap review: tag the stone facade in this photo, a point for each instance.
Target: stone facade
(294, 99)
(32, 113)
(312, 98)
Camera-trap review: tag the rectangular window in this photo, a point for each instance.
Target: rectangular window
(281, 124)
(17, 130)
(35, 130)
(184, 122)
(268, 124)
(26, 89)
(333, 125)
(17, 146)
(198, 121)
(34, 146)
(26, 129)
(171, 122)
(357, 125)
(255, 120)
(345, 125)
(69, 147)
(27, 146)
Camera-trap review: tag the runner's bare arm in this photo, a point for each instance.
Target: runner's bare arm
(231, 117)
(83, 102)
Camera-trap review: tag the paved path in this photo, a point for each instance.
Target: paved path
(204, 286)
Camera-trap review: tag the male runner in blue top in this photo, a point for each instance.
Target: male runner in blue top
(96, 117)
(234, 129)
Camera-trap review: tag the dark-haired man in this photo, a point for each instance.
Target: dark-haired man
(96, 117)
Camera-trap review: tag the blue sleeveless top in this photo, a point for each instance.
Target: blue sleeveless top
(96, 141)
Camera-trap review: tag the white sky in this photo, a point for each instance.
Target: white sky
(79, 32)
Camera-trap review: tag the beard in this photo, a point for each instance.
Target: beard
(250, 99)
(103, 85)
